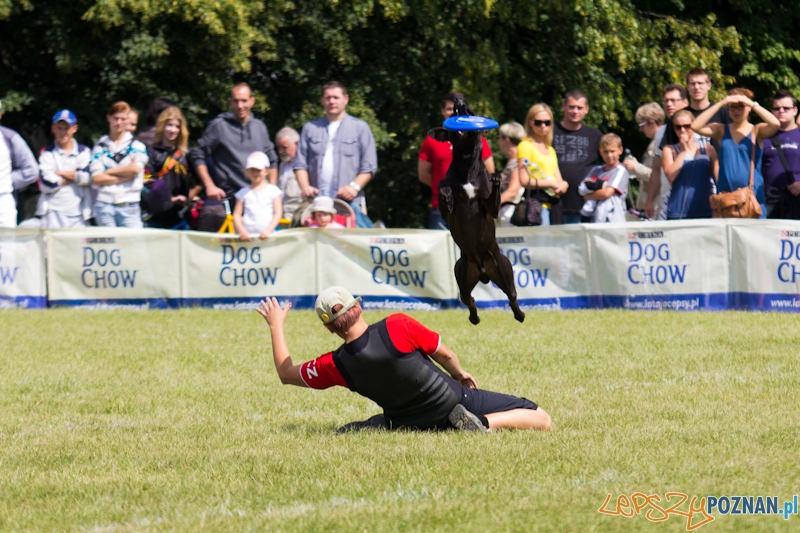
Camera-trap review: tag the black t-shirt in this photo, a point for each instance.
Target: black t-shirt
(722, 116)
(578, 151)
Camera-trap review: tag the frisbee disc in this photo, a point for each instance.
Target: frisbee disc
(469, 123)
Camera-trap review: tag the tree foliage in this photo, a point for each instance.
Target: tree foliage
(397, 57)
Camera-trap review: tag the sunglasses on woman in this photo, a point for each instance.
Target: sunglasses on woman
(542, 122)
(679, 127)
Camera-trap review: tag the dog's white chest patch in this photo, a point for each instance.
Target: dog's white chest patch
(470, 190)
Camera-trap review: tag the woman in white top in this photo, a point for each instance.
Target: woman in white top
(259, 207)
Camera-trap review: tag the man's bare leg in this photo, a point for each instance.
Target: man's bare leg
(519, 419)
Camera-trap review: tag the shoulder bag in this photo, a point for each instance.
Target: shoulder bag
(529, 210)
(741, 203)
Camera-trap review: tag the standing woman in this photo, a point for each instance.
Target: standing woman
(509, 136)
(650, 117)
(736, 141)
(538, 163)
(166, 174)
(690, 168)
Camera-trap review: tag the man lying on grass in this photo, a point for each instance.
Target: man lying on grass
(389, 362)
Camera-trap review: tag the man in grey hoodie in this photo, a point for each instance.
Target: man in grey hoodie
(225, 145)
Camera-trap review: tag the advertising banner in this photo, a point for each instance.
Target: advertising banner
(22, 281)
(113, 268)
(680, 265)
(550, 269)
(765, 263)
(225, 273)
(389, 269)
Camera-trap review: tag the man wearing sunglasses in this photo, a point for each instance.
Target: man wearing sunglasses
(576, 145)
(780, 179)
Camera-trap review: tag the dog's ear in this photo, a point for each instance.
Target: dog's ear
(441, 134)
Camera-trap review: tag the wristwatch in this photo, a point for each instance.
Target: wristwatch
(356, 186)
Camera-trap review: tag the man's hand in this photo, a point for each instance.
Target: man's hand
(179, 200)
(272, 312)
(629, 163)
(309, 191)
(214, 193)
(466, 380)
(794, 188)
(649, 209)
(346, 193)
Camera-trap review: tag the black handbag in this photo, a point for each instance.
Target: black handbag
(529, 209)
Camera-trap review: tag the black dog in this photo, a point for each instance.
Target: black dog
(469, 201)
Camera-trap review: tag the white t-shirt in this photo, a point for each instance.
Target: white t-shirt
(328, 167)
(258, 207)
(612, 209)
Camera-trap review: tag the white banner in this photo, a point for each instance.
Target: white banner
(765, 259)
(22, 268)
(113, 267)
(389, 269)
(672, 265)
(550, 269)
(225, 273)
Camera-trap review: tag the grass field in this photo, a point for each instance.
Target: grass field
(176, 421)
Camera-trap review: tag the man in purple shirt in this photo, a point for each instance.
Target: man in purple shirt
(780, 179)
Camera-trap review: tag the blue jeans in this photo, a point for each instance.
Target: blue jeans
(435, 220)
(362, 220)
(115, 216)
(545, 216)
(572, 218)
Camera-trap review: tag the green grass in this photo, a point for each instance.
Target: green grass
(176, 421)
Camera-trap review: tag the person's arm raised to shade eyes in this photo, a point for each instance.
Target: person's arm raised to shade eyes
(288, 373)
(701, 126)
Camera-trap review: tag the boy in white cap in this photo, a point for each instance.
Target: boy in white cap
(322, 213)
(259, 208)
(65, 180)
(392, 363)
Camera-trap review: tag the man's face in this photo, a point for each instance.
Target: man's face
(447, 109)
(63, 132)
(241, 103)
(698, 87)
(575, 110)
(334, 101)
(118, 122)
(673, 102)
(286, 148)
(784, 110)
(610, 154)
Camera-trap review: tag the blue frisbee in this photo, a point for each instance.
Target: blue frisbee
(469, 123)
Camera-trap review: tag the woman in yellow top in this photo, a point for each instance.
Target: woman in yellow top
(538, 163)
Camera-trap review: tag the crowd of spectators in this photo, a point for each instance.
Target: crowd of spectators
(317, 177)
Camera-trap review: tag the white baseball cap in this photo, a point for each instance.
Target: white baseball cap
(257, 160)
(331, 297)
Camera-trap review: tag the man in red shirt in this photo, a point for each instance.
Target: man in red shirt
(390, 363)
(434, 161)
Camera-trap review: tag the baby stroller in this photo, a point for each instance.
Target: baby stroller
(344, 214)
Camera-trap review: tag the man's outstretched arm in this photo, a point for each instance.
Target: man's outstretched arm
(288, 373)
(449, 361)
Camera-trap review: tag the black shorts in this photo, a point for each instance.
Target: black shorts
(482, 402)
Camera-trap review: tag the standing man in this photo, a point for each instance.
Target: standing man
(435, 158)
(286, 141)
(674, 99)
(577, 147)
(391, 362)
(117, 170)
(18, 169)
(221, 155)
(66, 200)
(698, 82)
(336, 156)
(780, 179)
